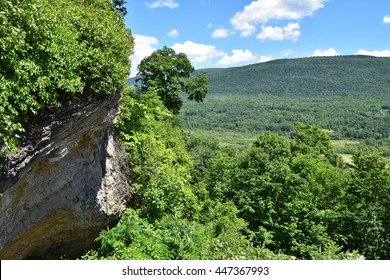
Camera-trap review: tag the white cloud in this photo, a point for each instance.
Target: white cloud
(328, 52)
(386, 19)
(237, 57)
(163, 3)
(289, 32)
(173, 33)
(382, 53)
(265, 58)
(221, 33)
(286, 52)
(262, 11)
(198, 52)
(143, 47)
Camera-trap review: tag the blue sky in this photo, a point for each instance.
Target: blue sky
(226, 33)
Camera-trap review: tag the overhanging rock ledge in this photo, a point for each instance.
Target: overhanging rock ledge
(65, 184)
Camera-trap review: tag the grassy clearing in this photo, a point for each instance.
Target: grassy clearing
(239, 141)
(344, 143)
(234, 140)
(345, 148)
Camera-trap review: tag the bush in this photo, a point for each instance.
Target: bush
(56, 50)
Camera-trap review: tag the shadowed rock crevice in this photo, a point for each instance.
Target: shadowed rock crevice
(65, 184)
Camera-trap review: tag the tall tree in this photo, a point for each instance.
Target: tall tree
(369, 193)
(170, 73)
(313, 141)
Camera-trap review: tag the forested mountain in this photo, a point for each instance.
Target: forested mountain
(311, 76)
(314, 76)
(346, 95)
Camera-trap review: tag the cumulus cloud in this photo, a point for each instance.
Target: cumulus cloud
(382, 53)
(328, 52)
(386, 19)
(143, 47)
(237, 57)
(221, 33)
(198, 52)
(163, 3)
(262, 11)
(173, 33)
(289, 32)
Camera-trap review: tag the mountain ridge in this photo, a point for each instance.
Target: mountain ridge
(340, 75)
(307, 76)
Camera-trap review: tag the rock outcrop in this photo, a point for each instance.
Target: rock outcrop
(65, 184)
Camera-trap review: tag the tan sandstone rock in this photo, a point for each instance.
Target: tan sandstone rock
(65, 184)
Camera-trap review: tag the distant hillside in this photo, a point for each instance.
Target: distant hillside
(313, 76)
(340, 75)
(349, 96)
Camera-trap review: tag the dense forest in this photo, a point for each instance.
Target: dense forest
(278, 199)
(347, 95)
(285, 194)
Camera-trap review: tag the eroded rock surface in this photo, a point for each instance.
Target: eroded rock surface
(65, 185)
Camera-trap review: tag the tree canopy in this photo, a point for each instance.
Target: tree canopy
(170, 73)
(54, 50)
(278, 199)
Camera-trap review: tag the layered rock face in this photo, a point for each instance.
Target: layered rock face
(65, 184)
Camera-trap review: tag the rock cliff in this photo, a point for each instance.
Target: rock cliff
(65, 184)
